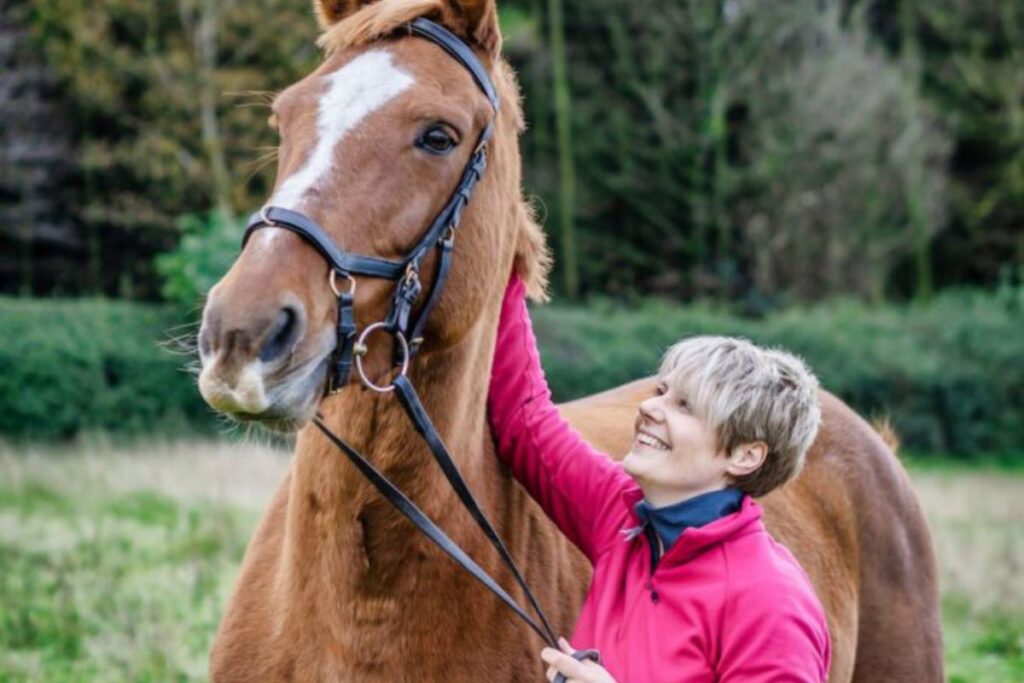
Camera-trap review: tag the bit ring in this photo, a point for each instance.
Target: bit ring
(361, 344)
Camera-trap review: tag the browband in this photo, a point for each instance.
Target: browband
(454, 46)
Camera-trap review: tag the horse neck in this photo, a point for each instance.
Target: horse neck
(331, 500)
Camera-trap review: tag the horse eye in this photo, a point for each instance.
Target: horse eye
(436, 140)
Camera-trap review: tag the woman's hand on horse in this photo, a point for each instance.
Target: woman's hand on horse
(573, 670)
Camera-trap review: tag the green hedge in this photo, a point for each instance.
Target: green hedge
(949, 374)
(74, 366)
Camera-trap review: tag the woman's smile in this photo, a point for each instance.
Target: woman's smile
(646, 439)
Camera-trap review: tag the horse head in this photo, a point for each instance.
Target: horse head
(372, 145)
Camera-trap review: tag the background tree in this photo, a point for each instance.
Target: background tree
(738, 149)
(159, 98)
(759, 152)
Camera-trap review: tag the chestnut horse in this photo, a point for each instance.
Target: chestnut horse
(335, 585)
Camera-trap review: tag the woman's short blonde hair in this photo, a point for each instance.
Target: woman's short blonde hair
(746, 393)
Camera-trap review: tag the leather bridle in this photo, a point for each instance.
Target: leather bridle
(440, 235)
(407, 331)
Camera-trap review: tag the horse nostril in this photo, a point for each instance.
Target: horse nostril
(283, 334)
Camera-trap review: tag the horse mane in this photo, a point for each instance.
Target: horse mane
(380, 19)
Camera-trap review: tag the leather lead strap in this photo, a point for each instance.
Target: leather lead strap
(410, 400)
(444, 265)
(402, 503)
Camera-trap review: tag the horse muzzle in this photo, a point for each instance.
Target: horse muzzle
(261, 367)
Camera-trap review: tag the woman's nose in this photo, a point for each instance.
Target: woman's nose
(650, 409)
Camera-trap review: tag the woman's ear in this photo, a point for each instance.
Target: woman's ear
(747, 458)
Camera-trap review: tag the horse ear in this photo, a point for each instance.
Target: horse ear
(330, 12)
(477, 22)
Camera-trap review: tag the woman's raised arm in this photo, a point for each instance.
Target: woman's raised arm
(577, 486)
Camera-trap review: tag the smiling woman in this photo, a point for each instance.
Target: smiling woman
(688, 585)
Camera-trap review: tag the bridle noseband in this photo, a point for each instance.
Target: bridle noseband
(400, 323)
(407, 331)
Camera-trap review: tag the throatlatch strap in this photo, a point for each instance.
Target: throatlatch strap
(341, 366)
(444, 265)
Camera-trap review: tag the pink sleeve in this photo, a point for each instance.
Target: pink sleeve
(577, 486)
(774, 635)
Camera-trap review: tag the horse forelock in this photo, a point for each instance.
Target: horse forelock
(374, 21)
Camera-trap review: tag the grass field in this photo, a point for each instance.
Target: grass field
(115, 562)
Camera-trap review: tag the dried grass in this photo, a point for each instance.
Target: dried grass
(977, 519)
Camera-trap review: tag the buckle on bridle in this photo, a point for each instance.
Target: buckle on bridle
(264, 217)
(334, 284)
(412, 274)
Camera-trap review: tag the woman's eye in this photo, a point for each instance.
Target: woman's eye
(436, 140)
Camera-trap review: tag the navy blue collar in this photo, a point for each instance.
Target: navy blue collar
(670, 521)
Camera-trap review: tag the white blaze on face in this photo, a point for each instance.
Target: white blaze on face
(360, 87)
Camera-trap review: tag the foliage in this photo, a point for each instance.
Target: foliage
(35, 144)
(208, 245)
(73, 366)
(755, 151)
(742, 150)
(947, 373)
(969, 57)
(169, 113)
(982, 647)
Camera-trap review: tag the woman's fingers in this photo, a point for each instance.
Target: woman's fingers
(563, 663)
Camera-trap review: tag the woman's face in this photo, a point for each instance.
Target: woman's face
(674, 455)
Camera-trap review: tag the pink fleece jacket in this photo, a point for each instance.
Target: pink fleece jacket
(726, 602)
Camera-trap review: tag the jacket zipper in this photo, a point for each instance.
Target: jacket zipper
(653, 543)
